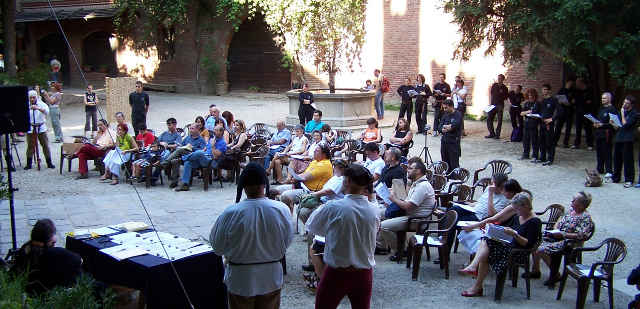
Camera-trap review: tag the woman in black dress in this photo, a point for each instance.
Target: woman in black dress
(604, 136)
(526, 233)
(421, 102)
(305, 110)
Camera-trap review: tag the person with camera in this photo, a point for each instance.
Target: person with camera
(38, 112)
(450, 126)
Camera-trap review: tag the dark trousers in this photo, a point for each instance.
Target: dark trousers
(91, 121)
(462, 108)
(406, 107)
(267, 301)
(305, 113)
(516, 118)
(565, 120)
(547, 142)
(530, 141)
(336, 283)
(623, 153)
(583, 123)
(603, 155)
(450, 153)
(437, 114)
(421, 114)
(498, 110)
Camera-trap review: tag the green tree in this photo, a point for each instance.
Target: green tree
(598, 39)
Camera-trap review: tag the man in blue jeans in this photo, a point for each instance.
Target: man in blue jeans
(210, 156)
(379, 98)
(278, 142)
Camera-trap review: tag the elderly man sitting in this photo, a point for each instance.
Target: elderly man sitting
(420, 201)
(214, 116)
(210, 156)
(313, 179)
(278, 143)
(191, 143)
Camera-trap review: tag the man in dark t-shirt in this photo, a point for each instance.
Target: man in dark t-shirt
(392, 169)
(139, 102)
(499, 93)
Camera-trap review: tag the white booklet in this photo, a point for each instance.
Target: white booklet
(496, 232)
(412, 93)
(383, 192)
(615, 119)
(489, 108)
(534, 116)
(591, 118)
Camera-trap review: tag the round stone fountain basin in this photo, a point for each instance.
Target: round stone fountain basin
(344, 109)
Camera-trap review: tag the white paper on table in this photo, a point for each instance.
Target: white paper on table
(496, 232)
(199, 249)
(103, 231)
(591, 118)
(124, 237)
(534, 116)
(123, 252)
(615, 119)
(489, 108)
(132, 226)
(467, 207)
(81, 232)
(383, 192)
(466, 223)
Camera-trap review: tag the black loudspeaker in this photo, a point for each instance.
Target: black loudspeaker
(14, 109)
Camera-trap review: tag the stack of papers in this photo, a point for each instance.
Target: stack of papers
(131, 226)
(123, 252)
(534, 116)
(175, 247)
(92, 233)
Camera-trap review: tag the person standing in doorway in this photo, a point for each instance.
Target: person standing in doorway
(91, 111)
(499, 93)
(440, 91)
(305, 110)
(139, 102)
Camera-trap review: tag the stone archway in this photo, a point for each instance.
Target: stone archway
(254, 59)
(97, 54)
(53, 46)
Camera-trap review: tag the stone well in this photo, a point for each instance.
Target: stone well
(346, 108)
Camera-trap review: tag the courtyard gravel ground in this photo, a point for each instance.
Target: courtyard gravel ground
(88, 203)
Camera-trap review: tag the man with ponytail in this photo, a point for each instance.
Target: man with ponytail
(253, 235)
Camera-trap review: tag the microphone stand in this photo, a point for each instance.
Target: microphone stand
(427, 155)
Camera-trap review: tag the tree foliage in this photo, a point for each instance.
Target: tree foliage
(585, 34)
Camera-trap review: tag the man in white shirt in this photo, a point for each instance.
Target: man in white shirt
(38, 112)
(253, 236)
(419, 202)
(331, 190)
(349, 226)
(374, 162)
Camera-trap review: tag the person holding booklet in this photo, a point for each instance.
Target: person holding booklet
(571, 230)
(604, 135)
(549, 113)
(623, 149)
(496, 254)
(306, 109)
(531, 111)
(406, 92)
(298, 145)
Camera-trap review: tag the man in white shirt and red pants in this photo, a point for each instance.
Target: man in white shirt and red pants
(350, 226)
(253, 236)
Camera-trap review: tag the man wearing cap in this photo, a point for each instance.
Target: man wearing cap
(253, 236)
(450, 126)
(349, 226)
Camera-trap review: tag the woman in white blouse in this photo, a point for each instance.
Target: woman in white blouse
(297, 146)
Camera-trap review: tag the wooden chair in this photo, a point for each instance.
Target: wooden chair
(555, 212)
(497, 166)
(599, 271)
(512, 271)
(432, 238)
(68, 152)
(206, 176)
(439, 167)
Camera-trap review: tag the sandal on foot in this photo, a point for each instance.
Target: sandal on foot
(468, 293)
(466, 272)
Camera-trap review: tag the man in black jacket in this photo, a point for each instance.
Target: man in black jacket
(499, 93)
(451, 132)
(623, 148)
(407, 102)
(547, 132)
(440, 92)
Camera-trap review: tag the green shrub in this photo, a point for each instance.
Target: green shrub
(38, 75)
(391, 107)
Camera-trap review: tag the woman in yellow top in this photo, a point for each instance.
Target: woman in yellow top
(203, 131)
(126, 145)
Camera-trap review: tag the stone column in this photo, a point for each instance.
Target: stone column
(117, 92)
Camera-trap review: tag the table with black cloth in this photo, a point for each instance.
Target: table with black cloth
(202, 274)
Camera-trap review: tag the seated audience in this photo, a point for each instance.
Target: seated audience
(331, 190)
(102, 142)
(227, 135)
(145, 136)
(573, 229)
(214, 115)
(313, 179)
(374, 162)
(329, 135)
(240, 139)
(315, 124)
(48, 266)
(392, 169)
(420, 201)
(203, 131)
(496, 254)
(298, 146)
(279, 141)
(125, 146)
(372, 134)
(120, 120)
(170, 140)
(402, 136)
(300, 164)
(210, 156)
(149, 156)
(190, 143)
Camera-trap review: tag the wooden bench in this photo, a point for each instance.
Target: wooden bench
(160, 87)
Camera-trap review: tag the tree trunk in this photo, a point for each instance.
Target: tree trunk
(332, 81)
(9, 27)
